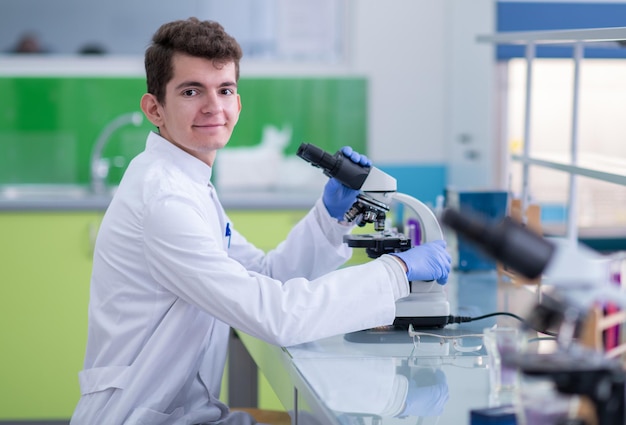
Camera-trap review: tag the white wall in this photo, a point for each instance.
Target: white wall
(399, 45)
(474, 158)
(431, 84)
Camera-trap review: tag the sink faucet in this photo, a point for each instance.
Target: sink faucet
(99, 167)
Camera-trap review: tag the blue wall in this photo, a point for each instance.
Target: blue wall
(424, 182)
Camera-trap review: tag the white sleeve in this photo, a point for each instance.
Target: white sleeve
(313, 247)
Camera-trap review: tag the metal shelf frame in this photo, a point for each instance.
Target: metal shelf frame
(600, 168)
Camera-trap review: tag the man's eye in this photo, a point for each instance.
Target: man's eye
(190, 92)
(228, 91)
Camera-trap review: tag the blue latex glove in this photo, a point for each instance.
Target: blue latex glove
(338, 198)
(429, 261)
(428, 394)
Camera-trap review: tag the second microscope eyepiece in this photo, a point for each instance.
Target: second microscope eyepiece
(507, 241)
(337, 165)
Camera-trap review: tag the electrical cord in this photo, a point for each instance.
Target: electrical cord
(466, 319)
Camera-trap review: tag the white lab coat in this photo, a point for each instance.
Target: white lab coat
(168, 282)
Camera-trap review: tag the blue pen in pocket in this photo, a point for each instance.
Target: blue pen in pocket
(228, 233)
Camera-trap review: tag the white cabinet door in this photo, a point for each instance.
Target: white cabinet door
(472, 154)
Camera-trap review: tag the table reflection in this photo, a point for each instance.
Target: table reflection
(389, 375)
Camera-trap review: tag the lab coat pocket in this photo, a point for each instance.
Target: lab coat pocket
(145, 416)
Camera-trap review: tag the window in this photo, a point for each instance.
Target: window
(601, 135)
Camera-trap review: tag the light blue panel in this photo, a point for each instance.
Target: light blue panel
(424, 182)
(553, 213)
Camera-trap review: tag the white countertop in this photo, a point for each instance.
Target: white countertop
(382, 374)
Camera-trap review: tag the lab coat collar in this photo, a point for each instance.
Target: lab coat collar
(197, 170)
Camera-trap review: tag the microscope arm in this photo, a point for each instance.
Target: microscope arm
(430, 229)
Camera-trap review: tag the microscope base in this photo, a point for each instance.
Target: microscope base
(421, 322)
(424, 310)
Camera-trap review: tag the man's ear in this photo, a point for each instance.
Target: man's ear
(151, 108)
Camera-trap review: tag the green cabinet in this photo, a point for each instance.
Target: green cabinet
(46, 266)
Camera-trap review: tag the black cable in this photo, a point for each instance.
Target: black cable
(466, 319)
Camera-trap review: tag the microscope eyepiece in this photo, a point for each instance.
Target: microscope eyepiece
(316, 156)
(338, 166)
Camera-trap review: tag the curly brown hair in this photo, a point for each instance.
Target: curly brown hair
(206, 39)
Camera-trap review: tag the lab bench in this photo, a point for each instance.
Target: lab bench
(384, 376)
(76, 197)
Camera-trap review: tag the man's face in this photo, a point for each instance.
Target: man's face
(201, 106)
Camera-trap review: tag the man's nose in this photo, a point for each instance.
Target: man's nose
(212, 104)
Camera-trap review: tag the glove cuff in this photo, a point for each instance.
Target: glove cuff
(400, 257)
(333, 229)
(400, 285)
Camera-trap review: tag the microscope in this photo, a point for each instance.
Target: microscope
(579, 278)
(427, 305)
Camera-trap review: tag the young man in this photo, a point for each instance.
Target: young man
(171, 274)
